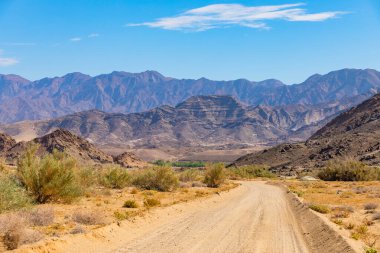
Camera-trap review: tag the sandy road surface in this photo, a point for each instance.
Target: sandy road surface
(256, 218)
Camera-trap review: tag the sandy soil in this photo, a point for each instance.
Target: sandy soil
(352, 196)
(255, 217)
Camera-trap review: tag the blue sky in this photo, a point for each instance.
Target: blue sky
(221, 40)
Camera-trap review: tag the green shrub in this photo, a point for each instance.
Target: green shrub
(120, 215)
(115, 178)
(130, 204)
(215, 175)
(50, 178)
(189, 175)
(320, 208)
(151, 202)
(156, 178)
(179, 164)
(371, 250)
(188, 164)
(12, 196)
(251, 171)
(348, 170)
(87, 176)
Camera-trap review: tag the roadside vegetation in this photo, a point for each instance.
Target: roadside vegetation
(349, 170)
(52, 194)
(183, 164)
(250, 171)
(215, 175)
(354, 206)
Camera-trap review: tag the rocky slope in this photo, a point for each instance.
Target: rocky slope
(74, 146)
(202, 121)
(6, 142)
(124, 92)
(353, 134)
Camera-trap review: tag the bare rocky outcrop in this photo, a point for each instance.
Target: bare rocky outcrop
(353, 134)
(64, 141)
(129, 160)
(6, 142)
(74, 146)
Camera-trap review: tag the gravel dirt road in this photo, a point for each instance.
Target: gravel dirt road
(256, 219)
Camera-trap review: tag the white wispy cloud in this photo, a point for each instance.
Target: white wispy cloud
(93, 35)
(18, 44)
(224, 15)
(76, 39)
(4, 62)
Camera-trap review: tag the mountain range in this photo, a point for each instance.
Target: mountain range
(354, 134)
(216, 122)
(122, 92)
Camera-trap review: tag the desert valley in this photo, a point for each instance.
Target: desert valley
(173, 155)
(182, 127)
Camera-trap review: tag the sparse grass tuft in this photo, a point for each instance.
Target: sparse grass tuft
(349, 226)
(371, 206)
(371, 250)
(342, 211)
(88, 217)
(320, 208)
(151, 202)
(42, 216)
(77, 230)
(376, 216)
(130, 204)
(14, 232)
(360, 232)
(120, 215)
(337, 221)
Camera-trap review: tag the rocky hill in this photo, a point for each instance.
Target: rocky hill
(74, 146)
(353, 134)
(6, 142)
(123, 92)
(201, 121)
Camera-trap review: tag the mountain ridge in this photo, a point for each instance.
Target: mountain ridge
(125, 92)
(354, 134)
(214, 121)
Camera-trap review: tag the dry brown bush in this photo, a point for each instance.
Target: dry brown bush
(14, 233)
(371, 206)
(88, 217)
(42, 216)
(376, 216)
